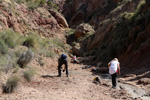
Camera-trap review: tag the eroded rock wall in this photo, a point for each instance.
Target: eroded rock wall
(23, 19)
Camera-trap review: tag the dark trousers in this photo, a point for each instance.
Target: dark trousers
(60, 63)
(114, 76)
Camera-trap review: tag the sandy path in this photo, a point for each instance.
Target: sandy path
(78, 86)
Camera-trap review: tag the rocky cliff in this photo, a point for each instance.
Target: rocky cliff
(122, 31)
(26, 17)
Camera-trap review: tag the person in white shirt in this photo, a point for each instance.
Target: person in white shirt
(114, 68)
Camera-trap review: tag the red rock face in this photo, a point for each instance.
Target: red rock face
(24, 19)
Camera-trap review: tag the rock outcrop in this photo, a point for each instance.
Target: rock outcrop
(60, 19)
(83, 29)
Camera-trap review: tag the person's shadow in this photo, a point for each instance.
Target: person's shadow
(49, 76)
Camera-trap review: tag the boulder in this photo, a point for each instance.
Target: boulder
(83, 29)
(76, 49)
(60, 19)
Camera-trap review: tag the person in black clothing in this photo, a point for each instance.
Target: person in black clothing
(62, 60)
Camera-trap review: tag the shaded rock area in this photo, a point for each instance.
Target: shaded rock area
(76, 50)
(144, 81)
(87, 11)
(118, 33)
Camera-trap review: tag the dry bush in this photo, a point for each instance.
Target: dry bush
(25, 58)
(29, 74)
(11, 84)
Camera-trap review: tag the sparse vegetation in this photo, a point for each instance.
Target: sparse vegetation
(11, 84)
(58, 42)
(3, 47)
(49, 53)
(29, 74)
(70, 32)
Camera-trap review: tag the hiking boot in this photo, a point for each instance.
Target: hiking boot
(114, 87)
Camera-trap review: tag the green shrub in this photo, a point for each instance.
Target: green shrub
(42, 2)
(41, 63)
(20, 1)
(70, 32)
(49, 3)
(85, 37)
(58, 43)
(30, 42)
(16, 69)
(3, 47)
(49, 53)
(29, 74)
(56, 7)
(11, 84)
(10, 38)
(31, 7)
